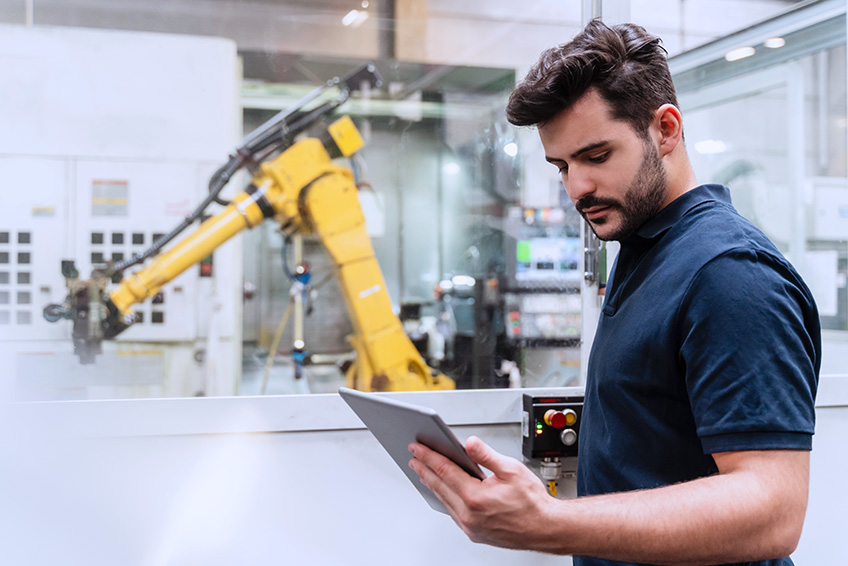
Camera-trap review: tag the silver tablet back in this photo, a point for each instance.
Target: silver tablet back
(396, 425)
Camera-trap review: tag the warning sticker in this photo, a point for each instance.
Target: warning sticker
(109, 197)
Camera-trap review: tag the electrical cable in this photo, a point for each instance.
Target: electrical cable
(216, 184)
(354, 167)
(284, 254)
(275, 133)
(271, 140)
(285, 134)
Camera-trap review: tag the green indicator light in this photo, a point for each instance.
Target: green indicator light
(538, 425)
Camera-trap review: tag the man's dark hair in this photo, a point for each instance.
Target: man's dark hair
(625, 63)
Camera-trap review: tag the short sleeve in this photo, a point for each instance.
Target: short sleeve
(751, 345)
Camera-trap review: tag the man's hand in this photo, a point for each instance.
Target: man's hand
(506, 509)
(753, 509)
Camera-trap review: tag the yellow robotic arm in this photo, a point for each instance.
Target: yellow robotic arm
(305, 192)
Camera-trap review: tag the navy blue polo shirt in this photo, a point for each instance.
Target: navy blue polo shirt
(708, 341)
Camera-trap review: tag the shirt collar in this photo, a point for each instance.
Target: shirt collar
(663, 221)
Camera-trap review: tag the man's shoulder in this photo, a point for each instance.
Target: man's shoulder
(715, 228)
(713, 240)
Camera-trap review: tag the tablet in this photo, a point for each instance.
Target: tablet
(396, 425)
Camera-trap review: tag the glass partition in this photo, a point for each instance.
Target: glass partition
(117, 117)
(772, 127)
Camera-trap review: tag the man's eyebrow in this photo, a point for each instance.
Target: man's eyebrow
(579, 152)
(589, 147)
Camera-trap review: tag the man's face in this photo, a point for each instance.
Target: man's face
(614, 176)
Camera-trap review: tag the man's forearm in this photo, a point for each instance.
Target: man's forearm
(752, 512)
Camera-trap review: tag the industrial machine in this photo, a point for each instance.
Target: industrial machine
(542, 293)
(296, 183)
(543, 283)
(471, 322)
(519, 325)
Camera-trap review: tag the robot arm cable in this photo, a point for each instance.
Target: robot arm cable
(278, 132)
(219, 180)
(285, 256)
(216, 184)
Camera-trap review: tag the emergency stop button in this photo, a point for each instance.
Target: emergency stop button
(560, 419)
(555, 418)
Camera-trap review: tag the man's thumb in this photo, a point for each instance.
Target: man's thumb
(484, 455)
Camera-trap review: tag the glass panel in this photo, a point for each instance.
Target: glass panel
(476, 242)
(742, 143)
(781, 148)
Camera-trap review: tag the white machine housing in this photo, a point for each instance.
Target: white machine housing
(108, 139)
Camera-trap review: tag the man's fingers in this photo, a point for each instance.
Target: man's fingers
(439, 474)
(435, 484)
(484, 455)
(444, 467)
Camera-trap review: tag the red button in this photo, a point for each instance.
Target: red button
(555, 418)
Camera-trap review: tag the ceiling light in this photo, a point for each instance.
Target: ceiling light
(350, 17)
(775, 42)
(740, 53)
(511, 149)
(364, 3)
(354, 18)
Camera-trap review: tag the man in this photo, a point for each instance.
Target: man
(699, 406)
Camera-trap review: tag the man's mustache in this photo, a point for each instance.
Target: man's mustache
(592, 201)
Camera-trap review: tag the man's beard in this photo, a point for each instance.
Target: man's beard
(642, 200)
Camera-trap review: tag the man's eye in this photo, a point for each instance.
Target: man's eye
(599, 158)
(563, 169)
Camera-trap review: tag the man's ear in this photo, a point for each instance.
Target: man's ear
(669, 122)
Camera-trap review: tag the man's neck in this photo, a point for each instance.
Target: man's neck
(680, 174)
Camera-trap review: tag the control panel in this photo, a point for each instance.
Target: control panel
(550, 426)
(544, 320)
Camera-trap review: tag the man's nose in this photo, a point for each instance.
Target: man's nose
(578, 184)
